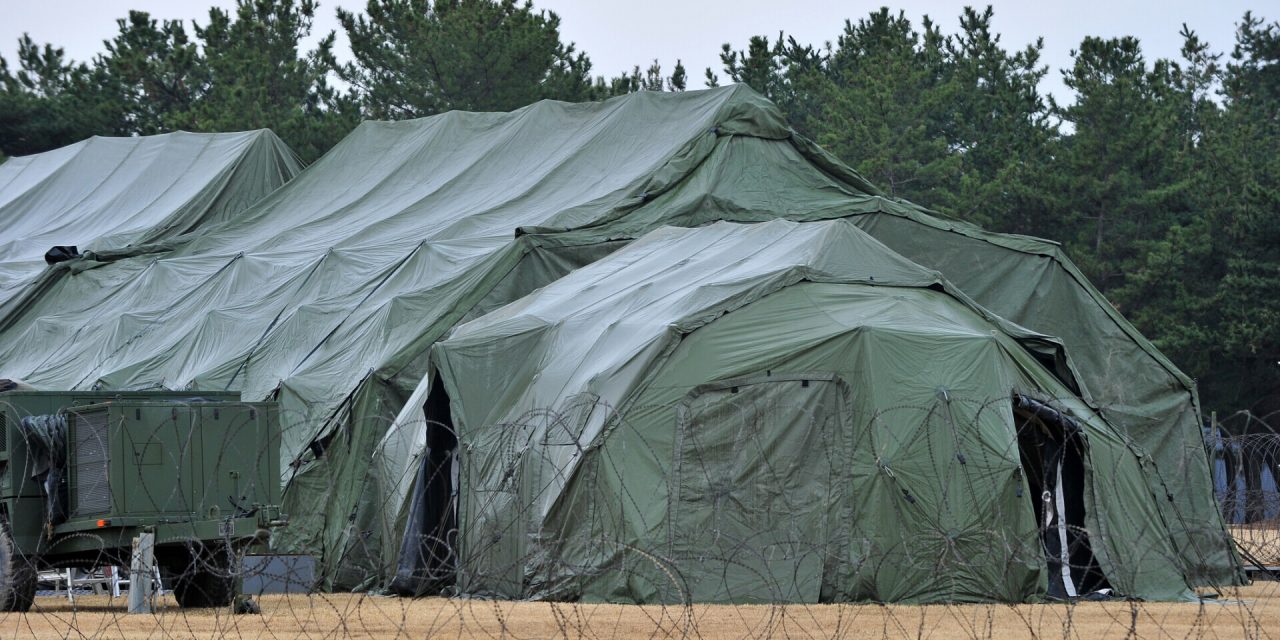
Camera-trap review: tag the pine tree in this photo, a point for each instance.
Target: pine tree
(786, 72)
(954, 122)
(258, 78)
(1245, 188)
(651, 80)
(1124, 165)
(242, 70)
(155, 70)
(50, 101)
(1000, 126)
(885, 106)
(418, 57)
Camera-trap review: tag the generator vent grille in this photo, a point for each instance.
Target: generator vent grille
(4, 431)
(92, 452)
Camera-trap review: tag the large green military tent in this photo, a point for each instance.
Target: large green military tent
(765, 171)
(781, 412)
(329, 293)
(113, 195)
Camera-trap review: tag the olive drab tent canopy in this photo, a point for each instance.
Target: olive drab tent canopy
(755, 174)
(128, 195)
(329, 293)
(780, 412)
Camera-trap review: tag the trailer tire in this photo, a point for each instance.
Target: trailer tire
(17, 574)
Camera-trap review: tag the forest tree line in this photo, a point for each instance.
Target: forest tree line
(1161, 177)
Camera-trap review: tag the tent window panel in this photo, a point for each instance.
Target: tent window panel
(756, 507)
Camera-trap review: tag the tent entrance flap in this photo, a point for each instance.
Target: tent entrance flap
(758, 504)
(427, 559)
(1052, 452)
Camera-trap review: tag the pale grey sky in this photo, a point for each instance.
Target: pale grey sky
(617, 35)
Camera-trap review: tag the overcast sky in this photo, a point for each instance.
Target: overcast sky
(620, 34)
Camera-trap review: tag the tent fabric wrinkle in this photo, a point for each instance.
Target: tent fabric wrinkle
(117, 197)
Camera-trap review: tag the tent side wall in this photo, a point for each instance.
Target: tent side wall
(1135, 389)
(628, 521)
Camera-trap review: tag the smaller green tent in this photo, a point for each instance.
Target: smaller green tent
(777, 412)
(123, 196)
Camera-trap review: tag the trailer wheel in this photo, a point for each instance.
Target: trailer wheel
(208, 581)
(17, 574)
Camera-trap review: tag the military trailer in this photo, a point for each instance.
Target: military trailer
(84, 473)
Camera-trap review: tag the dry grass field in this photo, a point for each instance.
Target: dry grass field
(1251, 612)
(1260, 540)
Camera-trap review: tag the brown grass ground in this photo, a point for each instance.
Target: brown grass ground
(1261, 540)
(1250, 612)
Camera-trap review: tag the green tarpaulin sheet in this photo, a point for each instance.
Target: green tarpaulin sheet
(329, 293)
(121, 195)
